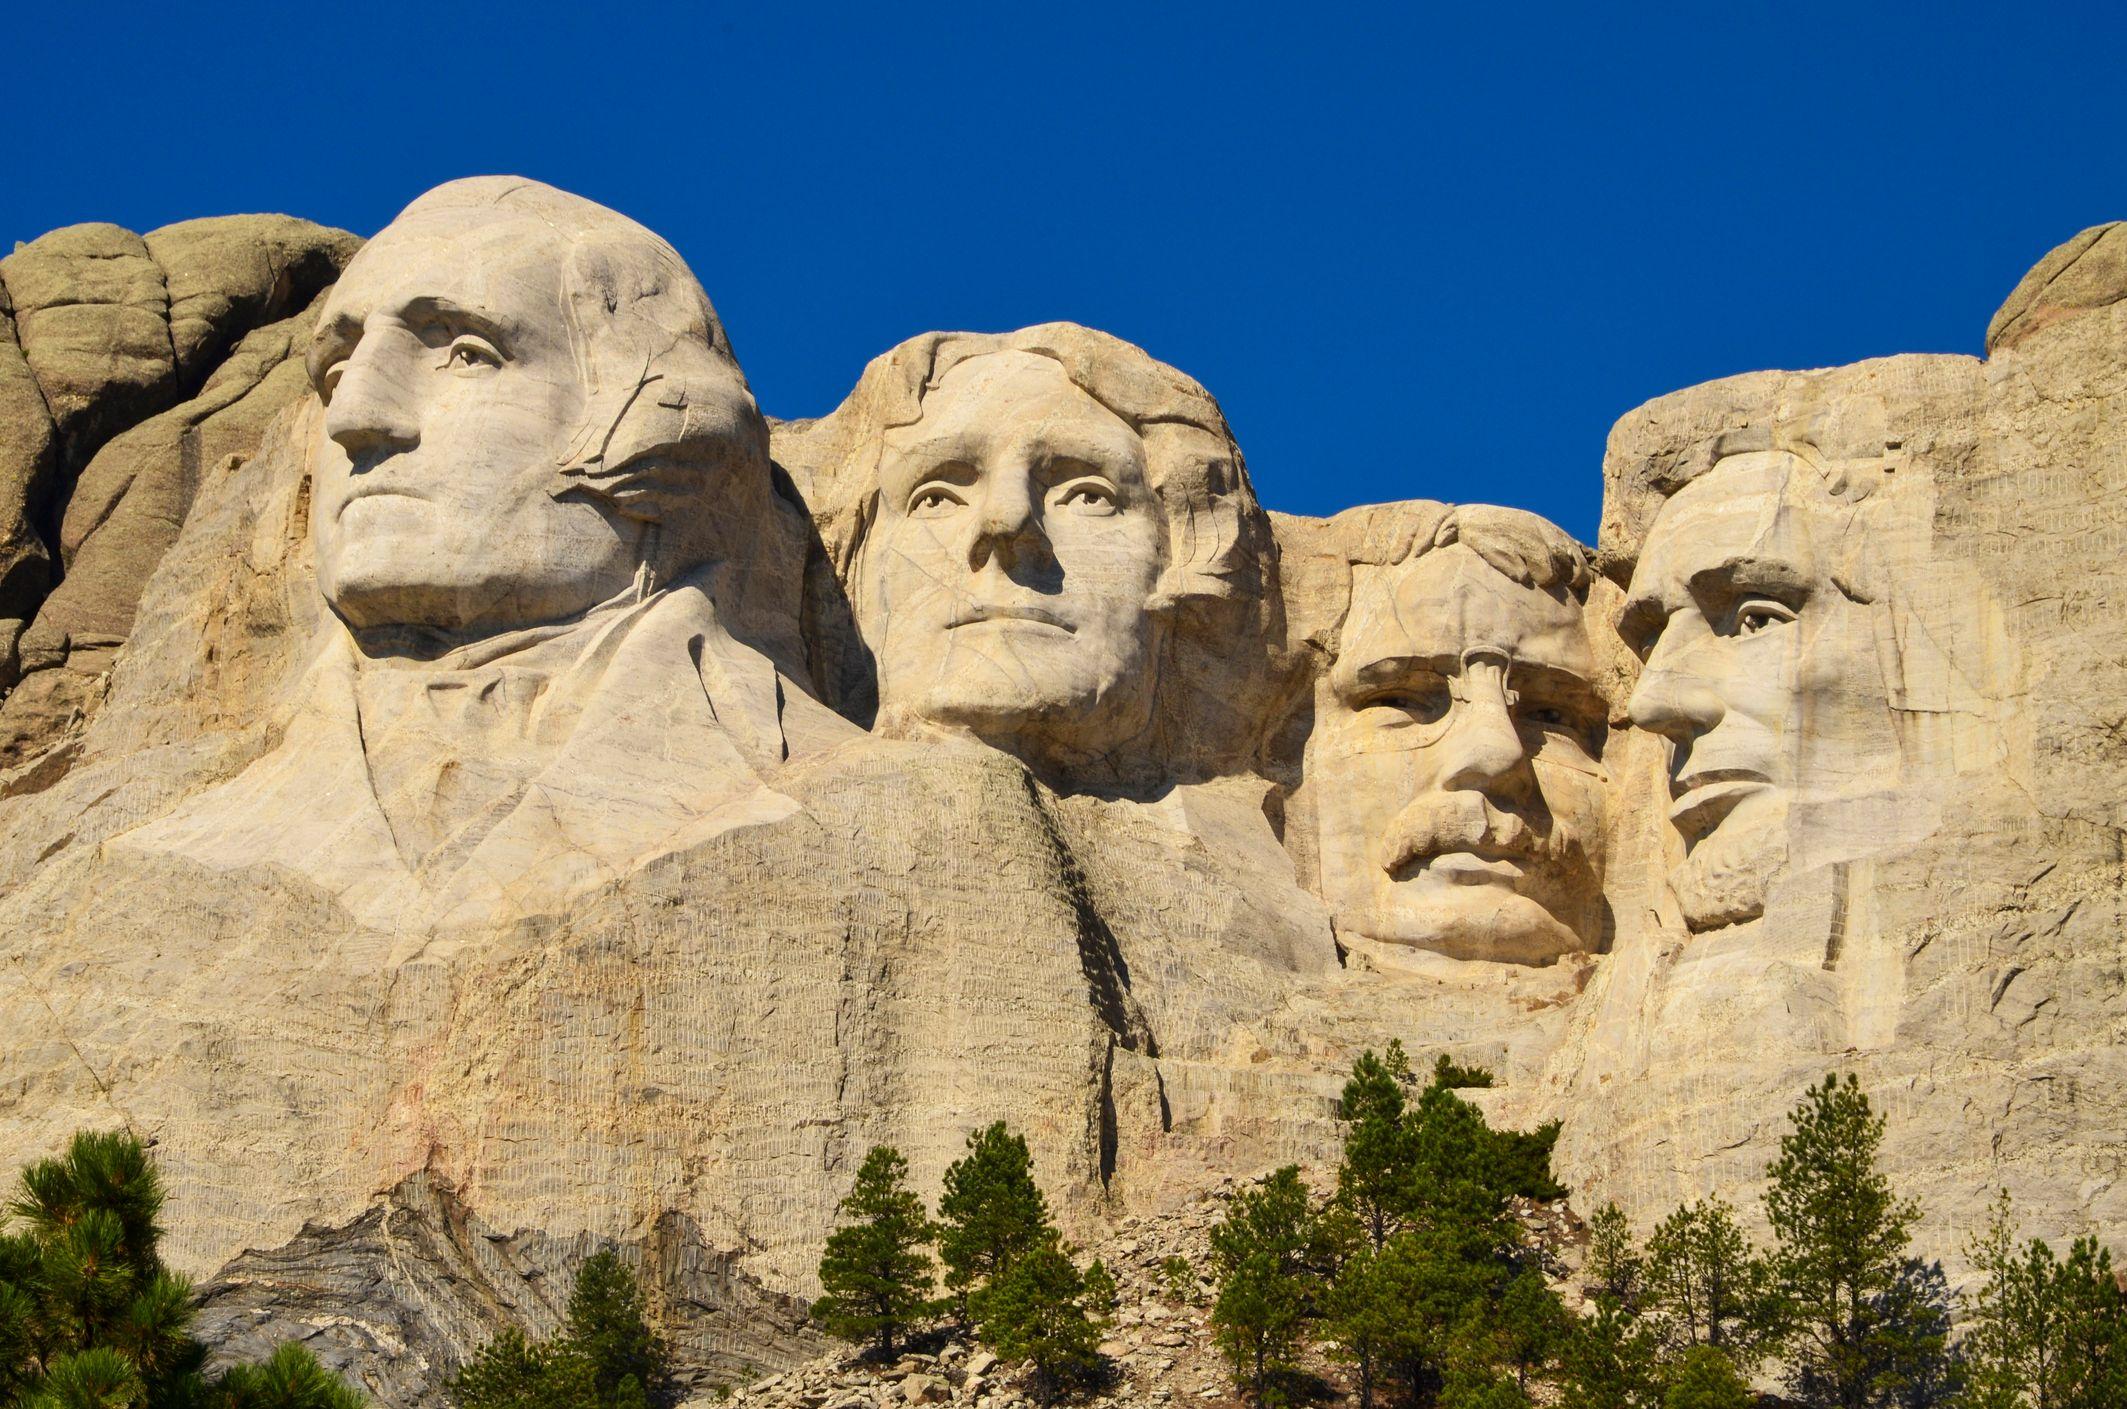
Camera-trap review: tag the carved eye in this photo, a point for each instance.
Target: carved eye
(469, 353)
(330, 379)
(930, 501)
(1091, 497)
(1761, 614)
(1408, 704)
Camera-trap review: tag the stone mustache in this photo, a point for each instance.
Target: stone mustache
(536, 775)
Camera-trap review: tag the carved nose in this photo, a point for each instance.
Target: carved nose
(368, 417)
(1676, 704)
(1482, 751)
(1006, 528)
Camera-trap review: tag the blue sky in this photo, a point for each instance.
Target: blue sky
(1416, 251)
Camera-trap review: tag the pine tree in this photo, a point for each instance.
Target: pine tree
(90, 1316)
(1705, 1378)
(1374, 1178)
(1365, 1313)
(1042, 1310)
(2043, 1333)
(607, 1327)
(1615, 1266)
(1706, 1285)
(1609, 1361)
(1259, 1255)
(606, 1356)
(1855, 1335)
(876, 1275)
(290, 1378)
(1530, 1329)
(990, 1214)
(512, 1371)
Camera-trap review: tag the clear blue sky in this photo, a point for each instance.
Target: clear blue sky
(1415, 250)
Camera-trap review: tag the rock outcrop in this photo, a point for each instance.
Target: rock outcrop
(129, 367)
(481, 792)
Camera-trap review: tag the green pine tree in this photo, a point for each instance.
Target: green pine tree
(290, 1378)
(1615, 1267)
(1041, 1310)
(2044, 1333)
(990, 1214)
(1705, 1378)
(1365, 1313)
(512, 1371)
(606, 1356)
(1609, 1360)
(1374, 1178)
(90, 1316)
(1259, 1255)
(1856, 1333)
(876, 1274)
(607, 1327)
(1706, 1285)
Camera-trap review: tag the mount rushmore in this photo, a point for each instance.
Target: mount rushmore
(476, 789)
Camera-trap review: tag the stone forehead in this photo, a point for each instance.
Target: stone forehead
(960, 394)
(1766, 502)
(1450, 601)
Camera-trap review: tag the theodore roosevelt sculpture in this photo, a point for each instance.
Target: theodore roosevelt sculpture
(1453, 770)
(1035, 527)
(537, 462)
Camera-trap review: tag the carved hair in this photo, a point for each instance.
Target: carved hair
(1521, 546)
(666, 404)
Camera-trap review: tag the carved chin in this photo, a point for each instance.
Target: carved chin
(1724, 879)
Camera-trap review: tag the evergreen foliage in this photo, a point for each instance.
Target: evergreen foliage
(1706, 1285)
(1609, 1361)
(1615, 1266)
(1260, 1255)
(1042, 1310)
(990, 1214)
(89, 1316)
(875, 1272)
(1862, 1322)
(606, 1357)
(2044, 1333)
(1706, 1378)
(1428, 1292)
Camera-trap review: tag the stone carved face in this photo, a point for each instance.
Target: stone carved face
(1009, 575)
(452, 386)
(1458, 797)
(1761, 671)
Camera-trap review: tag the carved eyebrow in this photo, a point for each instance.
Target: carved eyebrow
(447, 310)
(1642, 621)
(1724, 582)
(1393, 670)
(329, 342)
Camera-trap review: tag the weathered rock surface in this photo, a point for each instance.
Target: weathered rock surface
(128, 363)
(486, 794)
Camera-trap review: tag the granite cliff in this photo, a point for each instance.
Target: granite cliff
(478, 790)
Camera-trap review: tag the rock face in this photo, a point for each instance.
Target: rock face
(481, 792)
(130, 367)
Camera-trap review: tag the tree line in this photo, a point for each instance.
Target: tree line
(1008, 1276)
(1415, 1273)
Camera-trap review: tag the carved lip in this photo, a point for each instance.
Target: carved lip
(1481, 866)
(1704, 799)
(977, 612)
